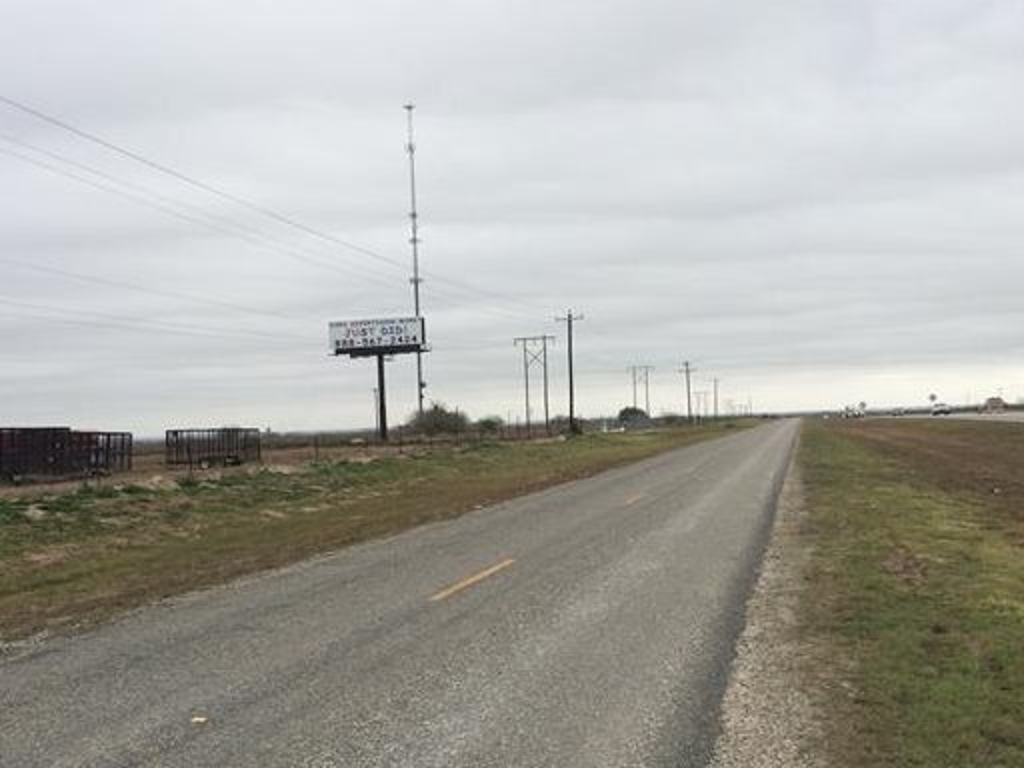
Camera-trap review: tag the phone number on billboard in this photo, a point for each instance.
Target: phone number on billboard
(359, 341)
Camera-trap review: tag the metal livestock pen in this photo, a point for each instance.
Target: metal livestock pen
(205, 447)
(29, 453)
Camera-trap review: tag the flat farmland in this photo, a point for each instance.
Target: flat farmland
(915, 589)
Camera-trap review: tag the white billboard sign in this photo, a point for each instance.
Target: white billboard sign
(376, 337)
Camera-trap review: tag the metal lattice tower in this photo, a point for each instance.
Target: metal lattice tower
(414, 241)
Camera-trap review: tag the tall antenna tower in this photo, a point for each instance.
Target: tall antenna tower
(414, 240)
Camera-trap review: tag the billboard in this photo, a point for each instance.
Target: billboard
(388, 336)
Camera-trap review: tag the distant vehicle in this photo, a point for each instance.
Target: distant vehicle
(941, 409)
(899, 412)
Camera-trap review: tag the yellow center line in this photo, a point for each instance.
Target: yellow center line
(471, 580)
(635, 498)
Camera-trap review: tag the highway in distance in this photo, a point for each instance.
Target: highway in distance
(591, 624)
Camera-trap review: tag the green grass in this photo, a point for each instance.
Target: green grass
(920, 591)
(84, 555)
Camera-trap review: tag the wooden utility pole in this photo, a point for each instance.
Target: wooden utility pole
(568, 320)
(687, 370)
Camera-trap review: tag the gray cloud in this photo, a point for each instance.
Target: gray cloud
(816, 202)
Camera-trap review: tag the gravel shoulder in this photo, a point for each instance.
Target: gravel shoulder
(770, 718)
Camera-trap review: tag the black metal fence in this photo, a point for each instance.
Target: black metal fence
(206, 447)
(28, 453)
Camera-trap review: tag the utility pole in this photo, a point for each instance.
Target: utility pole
(687, 370)
(702, 405)
(526, 380)
(568, 320)
(647, 389)
(645, 371)
(414, 240)
(532, 356)
(544, 364)
(715, 381)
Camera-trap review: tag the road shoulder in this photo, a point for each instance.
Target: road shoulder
(769, 717)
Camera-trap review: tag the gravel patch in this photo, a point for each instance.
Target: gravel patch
(770, 718)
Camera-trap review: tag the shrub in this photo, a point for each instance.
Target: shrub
(438, 420)
(489, 425)
(631, 415)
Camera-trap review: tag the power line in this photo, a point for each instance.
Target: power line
(122, 284)
(120, 322)
(165, 209)
(194, 182)
(170, 207)
(167, 200)
(236, 199)
(252, 236)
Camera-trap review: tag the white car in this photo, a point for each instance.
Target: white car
(941, 409)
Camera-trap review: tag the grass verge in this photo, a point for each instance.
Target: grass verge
(917, 584)
(81, 556)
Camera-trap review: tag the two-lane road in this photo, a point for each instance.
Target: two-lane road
(591, 624)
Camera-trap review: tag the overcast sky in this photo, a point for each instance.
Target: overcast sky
(816, 202)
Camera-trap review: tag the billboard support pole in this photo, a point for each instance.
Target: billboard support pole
(382, 402)
(380, 338)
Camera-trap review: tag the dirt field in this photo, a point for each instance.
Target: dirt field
(982, 460)
(916, 585)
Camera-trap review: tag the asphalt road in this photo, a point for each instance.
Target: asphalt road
(1007, 417)
(591, 624)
